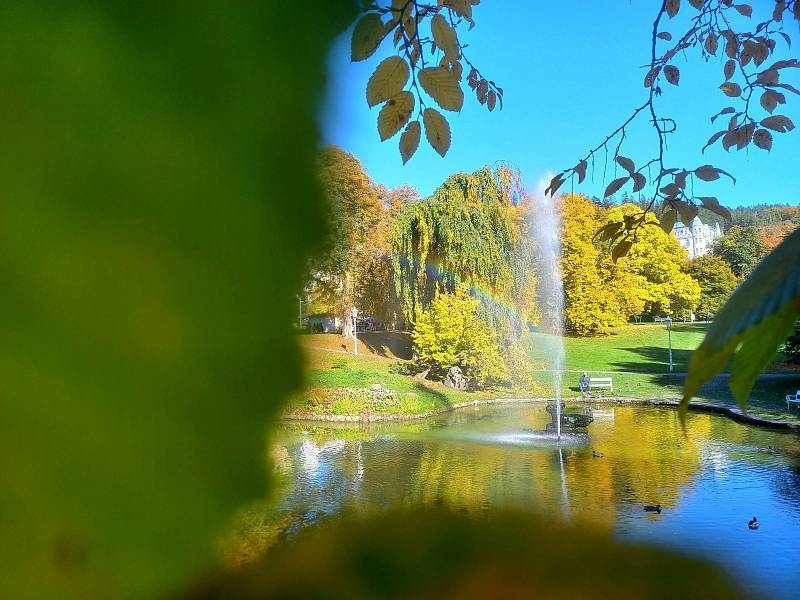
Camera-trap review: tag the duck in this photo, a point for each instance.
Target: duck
(597, 454)
(753, 523)
(650, 508)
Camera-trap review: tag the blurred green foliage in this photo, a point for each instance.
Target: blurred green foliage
(159, 206)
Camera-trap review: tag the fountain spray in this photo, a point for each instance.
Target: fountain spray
(545, 227)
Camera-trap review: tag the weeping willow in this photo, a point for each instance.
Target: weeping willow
(473, 230)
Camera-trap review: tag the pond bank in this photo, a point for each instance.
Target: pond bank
(731, 412)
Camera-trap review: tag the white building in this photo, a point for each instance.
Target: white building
(697, 237)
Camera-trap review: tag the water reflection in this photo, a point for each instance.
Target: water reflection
(710, 481)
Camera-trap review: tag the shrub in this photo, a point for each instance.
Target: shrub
(450, 333)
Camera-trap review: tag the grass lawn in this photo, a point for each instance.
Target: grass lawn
(638, 348)
(635, 357)
(332, 370)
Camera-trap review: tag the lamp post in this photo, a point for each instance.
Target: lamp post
(354, 313)
(669, 336)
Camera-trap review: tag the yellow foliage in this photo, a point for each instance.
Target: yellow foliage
(449, 333)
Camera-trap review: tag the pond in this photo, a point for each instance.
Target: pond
(710, 481)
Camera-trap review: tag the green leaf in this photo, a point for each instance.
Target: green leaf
(752, 323)
(388, 80)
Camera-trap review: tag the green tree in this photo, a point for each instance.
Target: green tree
(742, 248)
(716, 280)
(471, 230)
(791, 347)
(449, 333)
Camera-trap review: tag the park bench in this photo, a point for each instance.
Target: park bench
(602, 383)
(792, 399)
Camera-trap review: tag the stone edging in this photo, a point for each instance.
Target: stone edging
(731, 412)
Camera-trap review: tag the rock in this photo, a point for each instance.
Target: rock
(380, 393)
(455, 379)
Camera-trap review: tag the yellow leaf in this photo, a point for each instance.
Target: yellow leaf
(367, 36)
(387, 81)
(445, 38)
(436, 130)
(442, 85)
(395, 114)
(409, 141)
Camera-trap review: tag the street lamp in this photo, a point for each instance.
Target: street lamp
(669, 335)
(354, 313)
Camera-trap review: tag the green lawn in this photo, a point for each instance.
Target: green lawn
(331, 374)
(637, 348)
(636, 357)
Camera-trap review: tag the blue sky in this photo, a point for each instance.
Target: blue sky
(571, 73)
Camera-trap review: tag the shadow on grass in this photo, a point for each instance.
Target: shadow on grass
(389, 344)
(421, 387)
(655, 358)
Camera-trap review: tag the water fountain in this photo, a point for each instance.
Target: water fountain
(545, 227)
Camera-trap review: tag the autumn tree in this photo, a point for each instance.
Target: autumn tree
(591, 305)
(654, 268)
(716, 280)
(353, 266)
(449, 333)
(741, 248)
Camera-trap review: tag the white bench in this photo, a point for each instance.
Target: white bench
(792, 399)
(603, 383)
